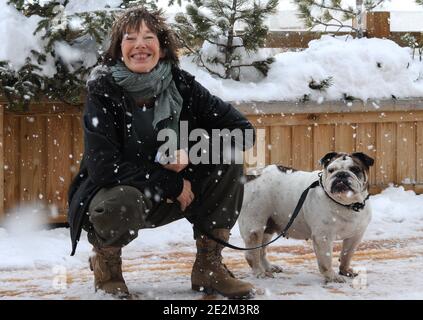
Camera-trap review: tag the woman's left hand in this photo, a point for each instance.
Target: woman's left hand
(180, 163)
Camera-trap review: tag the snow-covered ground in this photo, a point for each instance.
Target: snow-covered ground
(36, 264)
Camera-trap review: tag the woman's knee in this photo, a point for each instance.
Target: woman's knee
(118, 210)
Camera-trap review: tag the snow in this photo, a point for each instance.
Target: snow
(16, 35)
(157, 264)
(352, 64)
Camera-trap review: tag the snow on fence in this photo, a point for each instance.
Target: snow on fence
(40, 150)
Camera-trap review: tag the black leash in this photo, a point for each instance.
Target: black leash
(282, 234)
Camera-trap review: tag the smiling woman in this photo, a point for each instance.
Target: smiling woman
(123, 186)
(141, 50)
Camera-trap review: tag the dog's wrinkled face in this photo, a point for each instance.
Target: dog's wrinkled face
(345, 176)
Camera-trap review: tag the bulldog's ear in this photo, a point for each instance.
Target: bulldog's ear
(327, 158)
(367, 161)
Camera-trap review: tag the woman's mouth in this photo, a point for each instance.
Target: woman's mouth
(140, 56)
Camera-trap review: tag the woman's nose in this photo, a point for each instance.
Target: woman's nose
(140, 43)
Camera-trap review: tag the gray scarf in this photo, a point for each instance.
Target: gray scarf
(158, 84)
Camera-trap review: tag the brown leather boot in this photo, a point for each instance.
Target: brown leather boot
(107, 266)
(210, 275)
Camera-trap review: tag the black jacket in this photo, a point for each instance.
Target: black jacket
(111, 152)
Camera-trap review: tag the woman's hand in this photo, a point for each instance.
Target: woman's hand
(180, 163)
(186, 196)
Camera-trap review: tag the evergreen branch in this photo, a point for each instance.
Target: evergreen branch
(335, 8)
(196, 53)
(322, 85)
(223, 45)
(369, 5)
(333, 25)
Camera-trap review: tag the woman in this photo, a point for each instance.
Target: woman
(121, 187)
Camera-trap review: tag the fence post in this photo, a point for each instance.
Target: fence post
(378, 24)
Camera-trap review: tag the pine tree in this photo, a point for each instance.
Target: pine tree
(208, 32)
(333, 13)
(84, 33)
(416, 44)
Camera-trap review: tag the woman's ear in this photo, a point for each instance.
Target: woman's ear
(162, 53)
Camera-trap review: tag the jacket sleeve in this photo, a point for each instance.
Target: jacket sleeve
(103, 153)
(214, 113)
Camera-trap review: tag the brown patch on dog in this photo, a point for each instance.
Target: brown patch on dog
(250, 177)
(329, 157)
(272, 227)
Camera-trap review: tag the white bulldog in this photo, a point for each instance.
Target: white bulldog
(334, 210)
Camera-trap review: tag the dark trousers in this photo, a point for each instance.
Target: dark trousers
(117, 214)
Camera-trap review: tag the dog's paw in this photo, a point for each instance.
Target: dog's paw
(348, 273)
(264, 274)
(275, 268)
(333, 277)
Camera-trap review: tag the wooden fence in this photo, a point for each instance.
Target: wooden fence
(40, 150)
(298, 136)
(377, 25)
(39, 154)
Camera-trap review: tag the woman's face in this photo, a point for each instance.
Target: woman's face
(141, 49)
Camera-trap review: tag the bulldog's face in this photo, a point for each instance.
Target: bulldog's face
(345, 176)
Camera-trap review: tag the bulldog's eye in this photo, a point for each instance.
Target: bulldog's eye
(355, 170)
(331, 170)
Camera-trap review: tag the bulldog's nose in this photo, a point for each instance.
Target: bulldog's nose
(342, 175)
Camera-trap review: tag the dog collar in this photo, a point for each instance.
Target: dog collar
(356, 206)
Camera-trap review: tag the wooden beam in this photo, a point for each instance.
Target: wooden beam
(340, 118)
(378, 24)
(2, 213)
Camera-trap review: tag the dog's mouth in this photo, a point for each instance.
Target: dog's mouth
(340, 186)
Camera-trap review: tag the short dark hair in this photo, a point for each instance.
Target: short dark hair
(131, 19)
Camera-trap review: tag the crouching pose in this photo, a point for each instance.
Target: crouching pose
(123, 186)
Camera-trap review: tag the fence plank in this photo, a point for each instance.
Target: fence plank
(378, 25)
(33, 159)
(366, 143)
(59, 163)
(345, 138)
(259, 155)
(385, 150)
(419, 152)
(11, 161)
(280, 140)
(77, 144)
(302, 147)
(406, 145)
(323, 142)
(2, 213)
